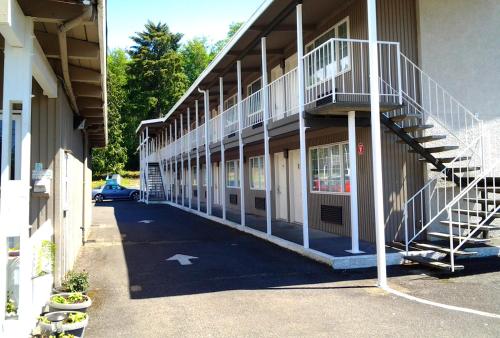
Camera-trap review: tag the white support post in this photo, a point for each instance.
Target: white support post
(378, 194)
(222, 184)
(171, 169)
(14, 204)
(208, 164)
(183, 181)
(353, 179)
(190, 179)
(141, 169)
(267, 158)
(147, 164)
(176, 181)
(302, 128)
(198, 185)
(240, 126)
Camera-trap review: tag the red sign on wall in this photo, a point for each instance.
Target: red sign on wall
(361, 148)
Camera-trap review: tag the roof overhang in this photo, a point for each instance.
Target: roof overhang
(70, 45)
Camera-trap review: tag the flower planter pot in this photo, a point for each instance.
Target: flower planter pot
(67, 326)
(69, 307)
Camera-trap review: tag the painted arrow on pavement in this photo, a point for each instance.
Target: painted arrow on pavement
(182, 259)
(146, 221)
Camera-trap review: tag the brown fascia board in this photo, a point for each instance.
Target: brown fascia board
(89, 102)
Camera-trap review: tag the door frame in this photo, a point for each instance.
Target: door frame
(279, 195)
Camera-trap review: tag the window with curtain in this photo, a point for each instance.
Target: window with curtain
(330, 168)
(232, 174)
(257, 176)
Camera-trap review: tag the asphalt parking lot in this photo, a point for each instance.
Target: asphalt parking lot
(238, 285)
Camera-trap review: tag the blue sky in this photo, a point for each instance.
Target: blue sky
(193, 18)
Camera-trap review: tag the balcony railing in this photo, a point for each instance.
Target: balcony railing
(338, 70)
(335, 72)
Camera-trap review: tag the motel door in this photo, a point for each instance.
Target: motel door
(295, 186)
(215, 183)
(281, 190)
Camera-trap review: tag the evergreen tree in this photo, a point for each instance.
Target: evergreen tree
(196, 58)
(113, 157)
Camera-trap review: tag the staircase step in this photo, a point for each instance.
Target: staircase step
(425, 139)
(472, 226)
(433, 263)
(477, 213)
(439, 149)
(457, 238)
(417, 127)
(443, 249)
(482, 200)
(449, 159)
(460, 169)
(402, 117)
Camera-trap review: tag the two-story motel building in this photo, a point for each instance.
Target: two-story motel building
(312, 136)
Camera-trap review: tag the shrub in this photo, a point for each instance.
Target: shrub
(76, 281)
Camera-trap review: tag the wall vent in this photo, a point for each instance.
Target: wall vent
(260, 203)
(331, 214)
(233, 199)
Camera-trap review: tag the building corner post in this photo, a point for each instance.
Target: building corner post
(302, 128)
(376, 144)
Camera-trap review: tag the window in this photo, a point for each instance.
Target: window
(342, 49)
(330, 168)
(257, 176)
(230, 102)
(232, 174)
(254, 87)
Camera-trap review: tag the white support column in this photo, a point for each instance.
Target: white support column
(302, 128)
(353, 179)
(208, 164)
(148, 147)
(240, 124)
(141, 169)
(378, 194)
(198, 185)
(222, 148)
(171, 170)
(14, 204)
(190, 179)
(267, 158)
(176, 181)
(183, 179)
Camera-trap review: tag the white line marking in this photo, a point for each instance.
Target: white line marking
(444, 306)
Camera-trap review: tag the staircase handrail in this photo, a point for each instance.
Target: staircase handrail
(446, 97)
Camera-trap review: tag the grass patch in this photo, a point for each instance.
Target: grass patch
(130, 179)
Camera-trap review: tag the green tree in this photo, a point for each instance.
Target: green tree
(156, 71)
(197, 56)
(217, 47)
(113, 157)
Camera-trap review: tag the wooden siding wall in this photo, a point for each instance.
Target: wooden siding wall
(44, 148)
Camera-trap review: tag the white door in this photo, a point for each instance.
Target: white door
(295, 186)
(281, 189)
(215, 174)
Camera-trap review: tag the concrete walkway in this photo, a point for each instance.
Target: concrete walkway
(241, 286)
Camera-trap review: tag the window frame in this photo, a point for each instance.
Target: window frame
(259, 79)
(250, 177)
(342, 169)
(232, 97)
(237, 174)
(349, 52)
